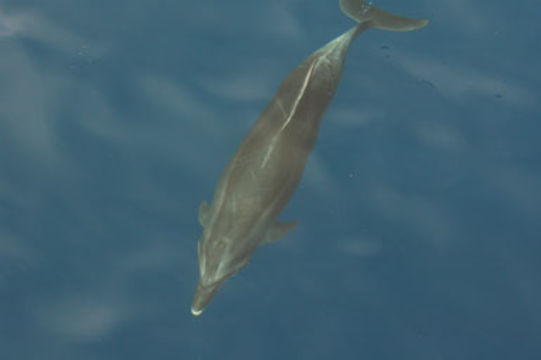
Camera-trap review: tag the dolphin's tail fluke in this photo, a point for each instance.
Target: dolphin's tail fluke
(364, 13)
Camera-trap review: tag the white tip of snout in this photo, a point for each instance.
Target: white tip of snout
(196, 312)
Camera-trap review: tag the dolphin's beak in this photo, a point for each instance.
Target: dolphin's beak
(202, 296)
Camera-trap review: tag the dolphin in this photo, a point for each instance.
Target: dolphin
(263, 174)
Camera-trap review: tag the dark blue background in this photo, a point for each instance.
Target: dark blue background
(419, 214)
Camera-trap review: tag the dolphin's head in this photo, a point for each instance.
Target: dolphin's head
(219, 259)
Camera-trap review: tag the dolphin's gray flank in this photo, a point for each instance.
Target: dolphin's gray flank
(263, 174)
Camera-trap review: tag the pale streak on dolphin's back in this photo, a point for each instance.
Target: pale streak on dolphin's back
(263, 174)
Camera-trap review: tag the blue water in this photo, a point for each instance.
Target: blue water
(419, 214)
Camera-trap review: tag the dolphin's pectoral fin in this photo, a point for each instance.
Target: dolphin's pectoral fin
(203, 213)
(277, 231)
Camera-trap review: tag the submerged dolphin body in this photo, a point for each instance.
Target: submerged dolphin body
(262, 175)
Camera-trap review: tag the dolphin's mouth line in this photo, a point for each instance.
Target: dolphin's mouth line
(209, 286)
(213, 284)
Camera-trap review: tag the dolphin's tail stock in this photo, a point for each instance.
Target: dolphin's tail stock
(370, 16)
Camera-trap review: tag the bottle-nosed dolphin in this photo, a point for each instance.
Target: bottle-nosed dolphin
(262, 175)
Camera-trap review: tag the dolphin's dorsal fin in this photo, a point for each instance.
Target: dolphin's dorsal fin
(203, 214)
(277, 231)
